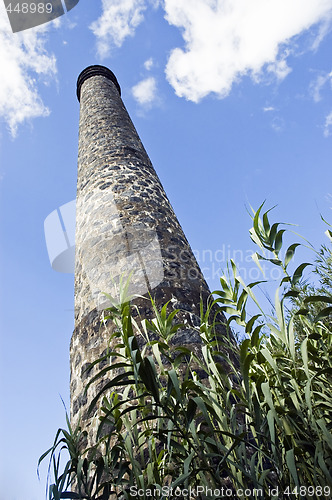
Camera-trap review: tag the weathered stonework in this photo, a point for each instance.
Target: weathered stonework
(124, 223)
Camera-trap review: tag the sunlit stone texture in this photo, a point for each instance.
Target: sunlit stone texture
(125, 227)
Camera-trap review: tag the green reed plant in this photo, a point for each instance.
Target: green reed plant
(254, 417)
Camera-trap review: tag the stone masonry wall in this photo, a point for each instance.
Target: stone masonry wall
(125, 226)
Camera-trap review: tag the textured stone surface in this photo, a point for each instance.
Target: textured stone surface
(124, 224)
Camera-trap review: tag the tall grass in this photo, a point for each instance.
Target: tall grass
(172, 420)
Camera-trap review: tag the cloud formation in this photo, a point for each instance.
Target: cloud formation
(328, 125)
(23, 59)
(317, 88)
(148, 65)
(118, 20)
(318, 84)
(224, 39)
(227, 39)
(145, 92)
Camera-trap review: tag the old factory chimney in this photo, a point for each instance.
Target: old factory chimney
(125, 228)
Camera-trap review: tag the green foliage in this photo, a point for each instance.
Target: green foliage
(172, 418)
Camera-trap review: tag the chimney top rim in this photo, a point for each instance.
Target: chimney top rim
(95, 70)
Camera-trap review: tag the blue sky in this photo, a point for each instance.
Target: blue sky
(232, 100)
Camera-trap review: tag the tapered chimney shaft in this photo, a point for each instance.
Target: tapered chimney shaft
(125, 228)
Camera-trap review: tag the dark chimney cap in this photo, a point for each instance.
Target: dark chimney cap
(94, 71)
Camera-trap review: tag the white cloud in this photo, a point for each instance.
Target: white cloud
(23, 58)
(145, 92)
(328, 125)
(227, 39)
(148, 65)
(224, 39)
(268, 108)
(278, 124)
(318, 84)
(118, 20)
(323, 30)
(316, 88)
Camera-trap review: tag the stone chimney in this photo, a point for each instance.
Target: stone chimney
(125, 227)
